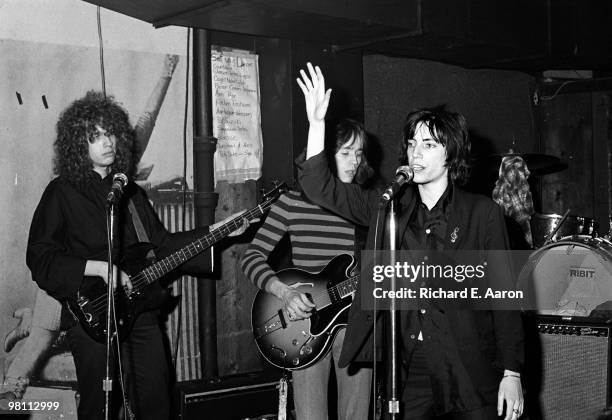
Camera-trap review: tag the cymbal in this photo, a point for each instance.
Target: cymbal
(537, 163)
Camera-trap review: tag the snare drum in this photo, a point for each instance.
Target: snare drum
(569, 277)
(542, 226)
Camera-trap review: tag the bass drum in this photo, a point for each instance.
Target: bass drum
(569, 277)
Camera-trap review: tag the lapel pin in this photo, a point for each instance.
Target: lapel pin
(454, 235)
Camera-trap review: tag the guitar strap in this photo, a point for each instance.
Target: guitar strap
(141, 233)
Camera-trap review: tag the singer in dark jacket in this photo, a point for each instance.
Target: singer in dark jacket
(457, 363)
(67, 249)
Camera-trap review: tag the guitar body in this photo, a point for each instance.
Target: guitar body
(298, 344)
(89, 304)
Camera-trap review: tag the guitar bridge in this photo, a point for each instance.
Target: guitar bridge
(83, 302)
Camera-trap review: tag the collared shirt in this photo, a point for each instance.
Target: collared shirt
(427, 329)
(429, 226)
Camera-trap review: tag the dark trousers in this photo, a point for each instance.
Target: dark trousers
(418, 399)
(145, 372)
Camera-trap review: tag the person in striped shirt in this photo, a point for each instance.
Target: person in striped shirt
(317, 235)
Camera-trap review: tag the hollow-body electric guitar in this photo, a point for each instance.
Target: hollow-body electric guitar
(88, 305)
(295, 345)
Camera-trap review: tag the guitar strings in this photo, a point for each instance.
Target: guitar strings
(99, 303)
(323, 295)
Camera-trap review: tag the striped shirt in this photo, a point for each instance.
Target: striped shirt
(316, 235)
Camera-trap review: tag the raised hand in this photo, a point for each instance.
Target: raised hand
(315, 95)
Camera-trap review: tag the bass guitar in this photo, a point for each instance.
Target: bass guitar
(295, 345)
(88, 305)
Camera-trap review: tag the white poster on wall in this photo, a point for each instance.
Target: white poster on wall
(236, 115)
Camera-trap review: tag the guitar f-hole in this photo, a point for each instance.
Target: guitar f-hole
(282, 352)
(306, 349)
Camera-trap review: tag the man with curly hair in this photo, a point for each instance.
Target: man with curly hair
(67, 249)
(39, 325)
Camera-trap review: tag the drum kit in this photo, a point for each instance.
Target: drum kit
(569, 272)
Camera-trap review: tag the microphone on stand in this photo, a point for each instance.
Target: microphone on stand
(119, 181)
(403, 175)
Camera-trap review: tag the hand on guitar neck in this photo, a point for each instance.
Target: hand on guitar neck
(243, 227)
(100, 269)
(296, 305)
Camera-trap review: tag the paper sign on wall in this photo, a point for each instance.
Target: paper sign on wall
(236, 115)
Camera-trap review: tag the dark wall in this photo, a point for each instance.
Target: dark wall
(497, 105)
(577, 127)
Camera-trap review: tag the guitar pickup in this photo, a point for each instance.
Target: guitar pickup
(281, 316)
(266, 329)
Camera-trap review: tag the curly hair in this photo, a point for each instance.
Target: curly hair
(344, 131)
(76, 128)
(447, 128)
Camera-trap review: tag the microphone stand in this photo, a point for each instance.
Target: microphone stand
(392, 331)
(107, 382)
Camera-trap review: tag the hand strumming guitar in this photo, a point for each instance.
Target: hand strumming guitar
(100, 269)
(297, 305)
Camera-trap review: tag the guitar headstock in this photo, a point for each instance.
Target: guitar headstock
(273, 194)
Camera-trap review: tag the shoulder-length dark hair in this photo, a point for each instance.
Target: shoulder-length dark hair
(450, 130)
(76, 128)
(344, 131)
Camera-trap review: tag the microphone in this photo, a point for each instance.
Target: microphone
(403, 175)
(119, 181)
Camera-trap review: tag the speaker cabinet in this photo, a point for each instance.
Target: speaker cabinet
(235, 397)
(568, 368)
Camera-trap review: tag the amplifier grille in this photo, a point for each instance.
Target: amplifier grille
(575, 370)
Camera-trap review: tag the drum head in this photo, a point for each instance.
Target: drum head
(570, 277)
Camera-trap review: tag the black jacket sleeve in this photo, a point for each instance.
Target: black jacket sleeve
(53, 268)
(350, 201)
(507, 323)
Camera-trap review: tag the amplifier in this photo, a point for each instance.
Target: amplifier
(236, 397)
(568, 368)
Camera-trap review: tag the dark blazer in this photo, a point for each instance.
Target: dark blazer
(487, 341)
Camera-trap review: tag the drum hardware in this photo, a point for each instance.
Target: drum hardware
(550, 228)
(556, 229)
(608, 236)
